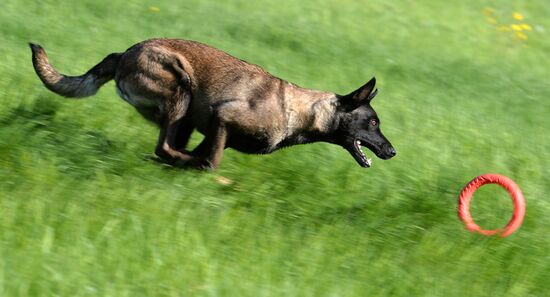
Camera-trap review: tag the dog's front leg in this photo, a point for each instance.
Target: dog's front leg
(210, 151)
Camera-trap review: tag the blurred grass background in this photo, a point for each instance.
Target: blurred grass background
(85, 212)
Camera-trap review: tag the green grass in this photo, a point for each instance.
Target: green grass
(85, 212)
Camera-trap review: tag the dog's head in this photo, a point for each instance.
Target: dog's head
(360, 126)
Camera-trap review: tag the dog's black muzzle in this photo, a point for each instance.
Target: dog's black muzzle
(387, 152)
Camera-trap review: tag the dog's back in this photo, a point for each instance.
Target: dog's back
(151, 70)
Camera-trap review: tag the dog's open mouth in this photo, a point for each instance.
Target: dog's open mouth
(358, 154)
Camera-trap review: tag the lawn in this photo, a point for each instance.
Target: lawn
(464, 90)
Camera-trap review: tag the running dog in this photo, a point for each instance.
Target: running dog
(183, 85)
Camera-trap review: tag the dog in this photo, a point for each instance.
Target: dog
(183, 85)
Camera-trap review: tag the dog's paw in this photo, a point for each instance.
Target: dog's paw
(162, 160)
(199, 164)
(162, 154)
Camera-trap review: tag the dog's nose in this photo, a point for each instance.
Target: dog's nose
(392, 152)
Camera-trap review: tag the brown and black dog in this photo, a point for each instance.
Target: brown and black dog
(184, 85)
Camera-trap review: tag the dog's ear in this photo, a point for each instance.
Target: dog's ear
(360, 96)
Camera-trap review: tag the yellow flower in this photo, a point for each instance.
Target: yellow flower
(503, 28)
(154, 9)
(526, 27)
(515, 27)
(488, 11)
(521, 35)
(518, 16)
(492, 20)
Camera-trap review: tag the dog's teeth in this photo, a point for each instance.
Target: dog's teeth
(369, 162)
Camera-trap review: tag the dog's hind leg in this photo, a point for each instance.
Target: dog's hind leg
(171, 141)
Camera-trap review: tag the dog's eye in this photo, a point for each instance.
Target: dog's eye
(373, 122)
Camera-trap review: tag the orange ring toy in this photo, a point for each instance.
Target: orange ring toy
(508, 184)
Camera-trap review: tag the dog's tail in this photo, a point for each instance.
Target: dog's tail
(73, 86)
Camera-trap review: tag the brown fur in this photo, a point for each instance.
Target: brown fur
(185, 85)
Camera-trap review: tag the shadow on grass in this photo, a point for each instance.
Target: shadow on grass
(75, 150)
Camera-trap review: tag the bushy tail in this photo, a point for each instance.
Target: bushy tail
(73, 86)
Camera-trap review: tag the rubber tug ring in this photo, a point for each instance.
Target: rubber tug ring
(510, 186)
